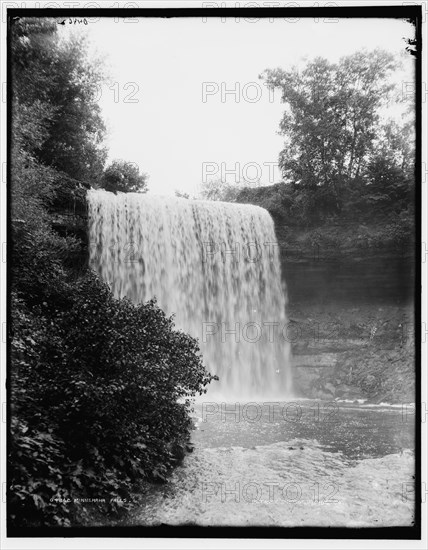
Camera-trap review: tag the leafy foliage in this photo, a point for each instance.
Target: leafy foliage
(124, 177)
(101, 395)
(339, 155)
(220, 190)
(55, 83)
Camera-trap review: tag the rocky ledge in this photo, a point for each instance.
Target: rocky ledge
(364, 352)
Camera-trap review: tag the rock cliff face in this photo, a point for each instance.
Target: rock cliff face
(381, 278)
(352, 313)
(360, 351)
(350, 302)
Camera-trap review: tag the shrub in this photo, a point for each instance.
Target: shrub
(101, 393)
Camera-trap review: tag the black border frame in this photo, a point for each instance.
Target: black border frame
(410, 12)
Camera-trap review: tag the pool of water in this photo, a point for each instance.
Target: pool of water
(355, 431)
(299, 463)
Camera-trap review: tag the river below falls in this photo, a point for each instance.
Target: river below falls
(306, 463)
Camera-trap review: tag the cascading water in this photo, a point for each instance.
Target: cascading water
(215, 266)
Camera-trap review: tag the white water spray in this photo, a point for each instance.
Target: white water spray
(215, 266)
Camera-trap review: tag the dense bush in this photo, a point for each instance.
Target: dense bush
(100, 397)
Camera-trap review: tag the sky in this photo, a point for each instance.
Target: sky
(167, 105)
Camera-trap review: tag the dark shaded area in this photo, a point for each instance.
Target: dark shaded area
(377, 279)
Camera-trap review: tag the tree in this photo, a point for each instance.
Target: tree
(124, 177)
(219, 190)
(54, 78)
(389, 173)
(181, 195)
(330, 121)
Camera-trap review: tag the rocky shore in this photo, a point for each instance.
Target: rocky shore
(364, 352)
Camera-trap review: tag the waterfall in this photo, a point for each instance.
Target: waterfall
(215, 266)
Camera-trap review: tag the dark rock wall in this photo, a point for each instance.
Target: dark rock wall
(374, 279)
